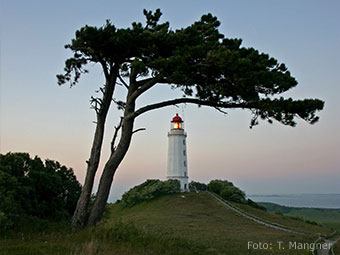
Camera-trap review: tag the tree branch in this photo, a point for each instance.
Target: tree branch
(105, 69)
(220, 110)
(108, 91)
(113, 148)
(124, 83)
(96, 103)
(145, 85)
(137, 130)
(217, 105)
(133, 76)
(120, 104)
(102, 90)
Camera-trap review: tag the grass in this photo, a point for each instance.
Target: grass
(336, 248)
(327, 217)
(294, 223)
(119, 238)
(176, 224)
(203, 220)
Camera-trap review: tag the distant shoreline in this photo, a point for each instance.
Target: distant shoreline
(326, 201)
(302, 194)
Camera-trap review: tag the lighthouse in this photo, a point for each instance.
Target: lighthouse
(177, 153)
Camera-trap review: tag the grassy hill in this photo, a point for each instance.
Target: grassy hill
(328, 217)
(336, 248)
(186, 223)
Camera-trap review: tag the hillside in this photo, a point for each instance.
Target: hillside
(328, 217)
(187, 223)
(336, 248)
(202, 220)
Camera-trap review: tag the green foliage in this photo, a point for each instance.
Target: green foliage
(5, 221)
(197, 59)
(279, 213)
(311, 222)
(327, 217)
(149, 190)
(31, 188)
(298, 218)
(256, 205)
(276, 208)
(336, 247)
(227, 190)
(119, 232)
(128, 235)
(197, 186)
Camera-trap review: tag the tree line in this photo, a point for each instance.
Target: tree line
(31, 188)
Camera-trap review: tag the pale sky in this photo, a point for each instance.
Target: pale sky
(41, 118)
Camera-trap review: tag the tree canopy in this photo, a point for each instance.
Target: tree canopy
(210, 70)
(29, 187)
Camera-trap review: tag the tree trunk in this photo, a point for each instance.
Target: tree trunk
(111, 166)
(79, 215)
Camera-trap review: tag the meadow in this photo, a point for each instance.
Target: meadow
(186, 223)
(327, 217)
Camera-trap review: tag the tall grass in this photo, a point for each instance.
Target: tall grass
(174, 224)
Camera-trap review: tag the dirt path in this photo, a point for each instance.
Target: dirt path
(272, 225)
(253, 218)
(329, 250)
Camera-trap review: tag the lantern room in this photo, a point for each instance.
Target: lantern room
(177, 122)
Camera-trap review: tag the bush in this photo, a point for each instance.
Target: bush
(279, 213)
(31, 188)
(149, 190)
(197, 186)
(5, 222)
(217, 186)
(298, 218)
(227, 190)
(312, 222)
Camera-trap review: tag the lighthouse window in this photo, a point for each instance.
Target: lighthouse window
(184, 152)
(185, 163)
(183, 142)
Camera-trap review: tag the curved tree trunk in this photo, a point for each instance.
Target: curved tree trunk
(80, 213)
(111, 166)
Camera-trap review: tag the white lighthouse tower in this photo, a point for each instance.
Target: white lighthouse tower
(177, 153)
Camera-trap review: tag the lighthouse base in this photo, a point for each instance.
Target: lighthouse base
(183, 181)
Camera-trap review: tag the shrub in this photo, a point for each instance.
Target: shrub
(197, 186)
(149, 190)
(298, 218)
(217, 186)
(279, 213)
(227, 190)
(5, 222)
(31, 188)
(312, 222)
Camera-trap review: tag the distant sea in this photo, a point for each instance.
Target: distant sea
(301, 200)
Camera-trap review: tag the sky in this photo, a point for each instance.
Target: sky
(55, 122)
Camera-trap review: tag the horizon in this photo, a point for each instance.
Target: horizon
(293, 194)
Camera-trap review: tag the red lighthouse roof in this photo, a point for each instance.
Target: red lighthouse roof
(177, 118)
